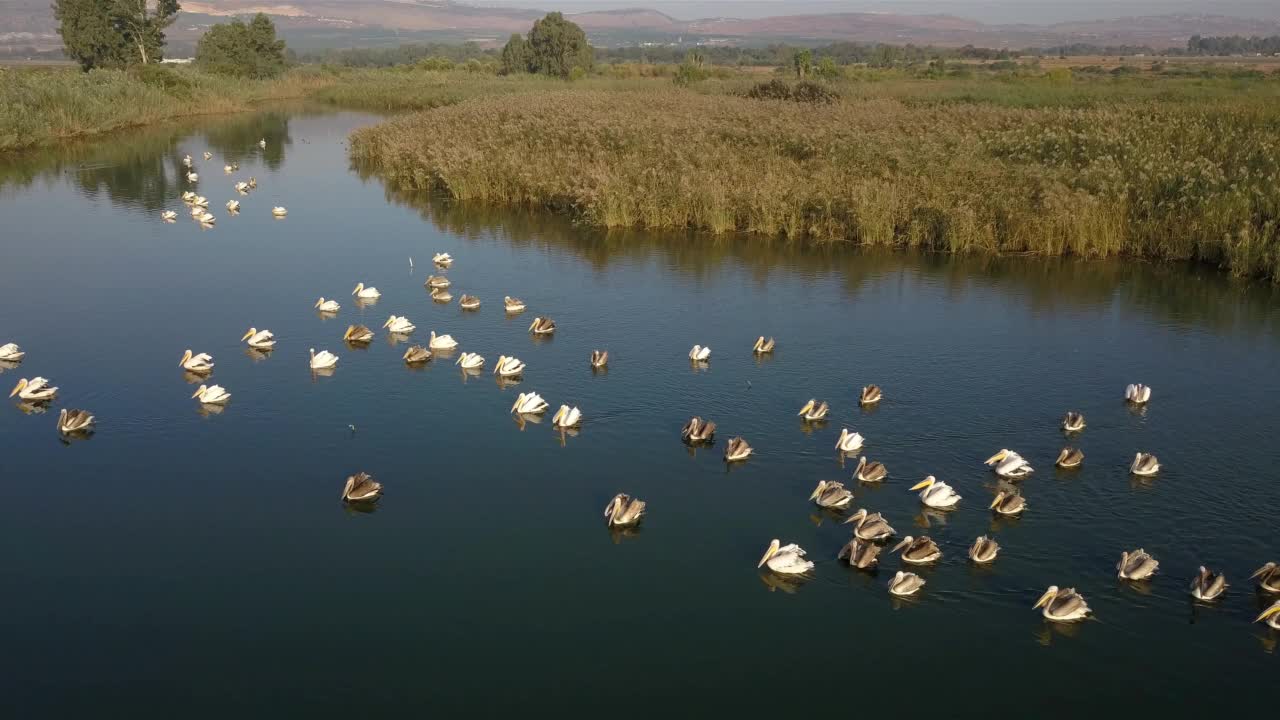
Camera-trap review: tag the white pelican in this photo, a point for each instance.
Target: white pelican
(624, 510)
(1136, 565)
(871, 527)
(936, 494)
(227, 169)
(200, 364)
(785, 559)
(599, 359)
(1144, 464)
(700, 354)
(529, 404)
(470, 361)
(441, 295)
(849, 442)
(905, 584)
(1271, 616)
(542, 326)
(1009, 464)
(74, 421)
(10, 352)
(513, 305)
(323, 359)
(187, 161)
(1073, 422)
(327, 306)
(831, 495)
(508, 366)
(697, 430)
(737, 449)
(984, 550)
(208, 155)
(567, 417)
(200, 201)
(34, 390)
(416, 355)
(253, 183)
(207, 218)
(862, 555)
(197, 211)
(366, 293)
(437, 281)
(1268, 577)
(469, 302)
(870, 472)
(442, 259)
(358, 334)
(399, 324)
(193, 177)
(188, 196)
(233, 206)
(763, 346)
(870, 395)
(814, 411)
(262, 143)
(361, 487)
(1008, 503)
(168, 216)
(1063, 605)
(1207, 585)
(1069, 458)
(279, 211)
(211, 394)
(1137, 394)
(918, 551)
(259, 339)
(442, 342)
(242, 187)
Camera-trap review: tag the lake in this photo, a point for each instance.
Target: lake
(194, 562)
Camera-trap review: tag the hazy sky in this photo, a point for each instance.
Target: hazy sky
(991, 11)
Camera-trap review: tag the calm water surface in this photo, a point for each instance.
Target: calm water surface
(194, 563)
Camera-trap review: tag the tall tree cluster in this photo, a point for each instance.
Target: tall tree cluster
(555, 46)
(114, 33)
(240, 49)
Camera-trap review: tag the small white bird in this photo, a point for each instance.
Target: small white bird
(193, 177)
(10, 352)
(327, 306)
(470, 361)
(212, 394)
(207, 219)
(567, 417)
(443, 259)
(700, 354)
(849, 442)
(200, 201)
(262, 143)
(259, 339)
(1138, 394)
(242, 187)
(279, 211)
(323, 359)
(366, 293)
(442, 342)
(186, 161)
(188, 196)
(168, 215)
(200, 364)
(399, 324)
(36, 390)
(233, 205)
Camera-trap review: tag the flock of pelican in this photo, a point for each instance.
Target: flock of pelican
(198, 205)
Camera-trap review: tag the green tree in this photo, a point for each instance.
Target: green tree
(557, 46)
(802, 63)
(114, 33)
(242, 50)
(515, 55)
(827, 68)
(141, 23)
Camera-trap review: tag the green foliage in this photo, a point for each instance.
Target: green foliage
(113, 33)
(692, 70)
(515, 56)
(244, 50)
(556, 46)
(803, 92)
(827, 68)
(435, 64)
(802, 63)
(165, 79)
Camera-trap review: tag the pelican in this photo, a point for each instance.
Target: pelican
(870, 395)
(207, 155)
(201, 364)
(984, 550)
(1073, 422)
(831, 495)
(1009, 464)
(253, 183)
(870, 472)
(207, 219)
(416, 355)
(469, 302)
(1136, 565)
(187, 161)
(904, 584)
(513, 305)
(1063, 605)
(188, 196)
(74, 421)
(242, 187)
(763, 346)
(361, 487)
(259, 339)
(1069, 458)
(323, 359)
(197, 211)
(1144, 464)
(168, 216)
(936, 494)
(918, 551)
(508, 366)
(34, 390)
(442, 259)
(399, 324)
(233, 206)
(442, 342)
(227, 169)
(599, 358)
(1271, 615)
(10, 352)
(542, 326)
(567, 417)
(441, 296)
(529, 404)
(1008, 503)
(200, 201)
(737, 449)
(785, 559)
(437, 281)
(277, 211)
(1268, 577)
(193, 177)
(358, 334)
(262, 143)
(1207, 586)
(327, 306)
(624, 510)
(1137, 394)
(697, 430)
(871, 527)
(700, 354)
(862, 555)
(212, 394)
(814, 411)
(849, 442)
(470, 361)
(366, 293)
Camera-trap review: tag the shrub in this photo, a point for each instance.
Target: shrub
(803, 92)
(162, 78)
(242, 50)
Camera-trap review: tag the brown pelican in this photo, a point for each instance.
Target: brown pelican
(1268, 577)
(697, 430)
(862, 555)
(513, 305)
(542, 326)
(358, 334)
(905, 583)
(700, 354)
(441, 295)
(1008, 503)
(1207, 586)
(737, 449)
(10, 352)
(399, 324)
(1137, 394)
(529, 404)
(327, 306)
(1009, 464)
(785, 559)
(366, 293)
(1069, 458)
(936, 494)
(567, 417)
(870, 471)
(599, 358)
(361, 487)
(416, 355)
(1073, 422)
(984, 550)
(212, 394)
(322, 360)
(442, 259)
(624, 510)
(437, 282)
(814, 411)
(1063, 605)
(469, 302)
(870, 527)
(259, 339)
(918, 551)
(870, 395)
(1271, 615)
(74, 421)
(1144, 464)
(849, 441)
(34, 390)
(201, 364)
(832, 495)
(763, 346)
(1137, 565)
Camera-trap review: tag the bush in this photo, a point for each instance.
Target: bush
(162, 78)
(242, 50)
(435, 62)
(803, 92)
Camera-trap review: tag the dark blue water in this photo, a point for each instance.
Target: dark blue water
(195, 563)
